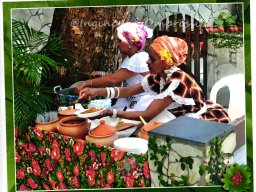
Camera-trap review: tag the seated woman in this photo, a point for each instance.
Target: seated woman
(131, 41)
(172, 88)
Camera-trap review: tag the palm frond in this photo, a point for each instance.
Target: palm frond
(32, 66)
(26, 38)
(32, 60)
(28, 101)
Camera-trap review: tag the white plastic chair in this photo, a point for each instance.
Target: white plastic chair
(236, 86)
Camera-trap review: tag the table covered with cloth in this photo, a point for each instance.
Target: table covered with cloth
(46, 160)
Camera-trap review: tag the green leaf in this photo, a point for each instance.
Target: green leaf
(202, 169)
(224, 15)
(230, 21)
(218, 22)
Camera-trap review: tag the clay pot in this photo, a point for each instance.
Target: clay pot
(67, 112)
(47, 126)
(143, 133)
(74, 127)
(103, 134)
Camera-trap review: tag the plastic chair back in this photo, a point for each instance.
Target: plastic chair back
(236, 86)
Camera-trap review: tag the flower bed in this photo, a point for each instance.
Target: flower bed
(48, 161)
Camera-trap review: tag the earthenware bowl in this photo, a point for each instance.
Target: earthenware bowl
(73, 126)
(103, 134)
(67, 112)
(48, 126)
(143, 133)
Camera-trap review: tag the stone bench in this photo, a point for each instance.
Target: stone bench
(189, 151)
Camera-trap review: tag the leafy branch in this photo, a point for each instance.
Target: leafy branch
(226, 40)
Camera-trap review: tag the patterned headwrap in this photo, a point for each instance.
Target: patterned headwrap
(172, 50)
(135, 33)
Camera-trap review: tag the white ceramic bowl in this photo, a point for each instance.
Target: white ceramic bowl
(132, 145)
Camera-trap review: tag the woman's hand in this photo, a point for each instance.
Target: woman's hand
(106, 112)
(79, 87)
(87, 93)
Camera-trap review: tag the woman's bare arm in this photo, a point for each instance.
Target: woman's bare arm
(154, 109)
(108, 80)
(124, 91)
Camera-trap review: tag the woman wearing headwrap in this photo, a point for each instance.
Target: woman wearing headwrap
(132, 38)
(173, 89)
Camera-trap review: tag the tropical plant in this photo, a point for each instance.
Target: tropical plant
(32, 59)
(224, 19)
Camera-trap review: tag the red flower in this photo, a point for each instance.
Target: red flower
(76, 170)
(32, 183)
(92, 155)
(83, 157)
(20, 174)
(91, 177)
(48, 164)
(52, 182)
(28, 137)
(17, 157)
(129, 182)
(46, 187)
(146, 170)
(67, 154)
(103, 158)
(23, 188)
(237, 178)
(78, 147)
(60, 176)
(117, 154)
(55, 152)
(107, 186)
(24, 146)
(62, 186)
(75, 181)
(32, 148)
(132, 161)
(41, 150)
(36, 168)
(95, 166)
(110, 177)
(39, 134)
(142, 184)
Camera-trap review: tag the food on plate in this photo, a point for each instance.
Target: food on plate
(91, 110)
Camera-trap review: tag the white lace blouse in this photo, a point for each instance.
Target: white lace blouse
(177, 100)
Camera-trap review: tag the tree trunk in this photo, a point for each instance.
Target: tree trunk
(88, 41)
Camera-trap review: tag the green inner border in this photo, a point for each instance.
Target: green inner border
(7, 6)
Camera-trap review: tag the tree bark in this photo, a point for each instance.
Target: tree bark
(88, 41)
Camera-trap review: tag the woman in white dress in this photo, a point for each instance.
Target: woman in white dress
(131, 42)
(175, 92)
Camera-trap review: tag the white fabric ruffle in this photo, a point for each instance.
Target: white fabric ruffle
(173, 105)
(136, 63)
(146, 86)
(177, 98)
(199, 113)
